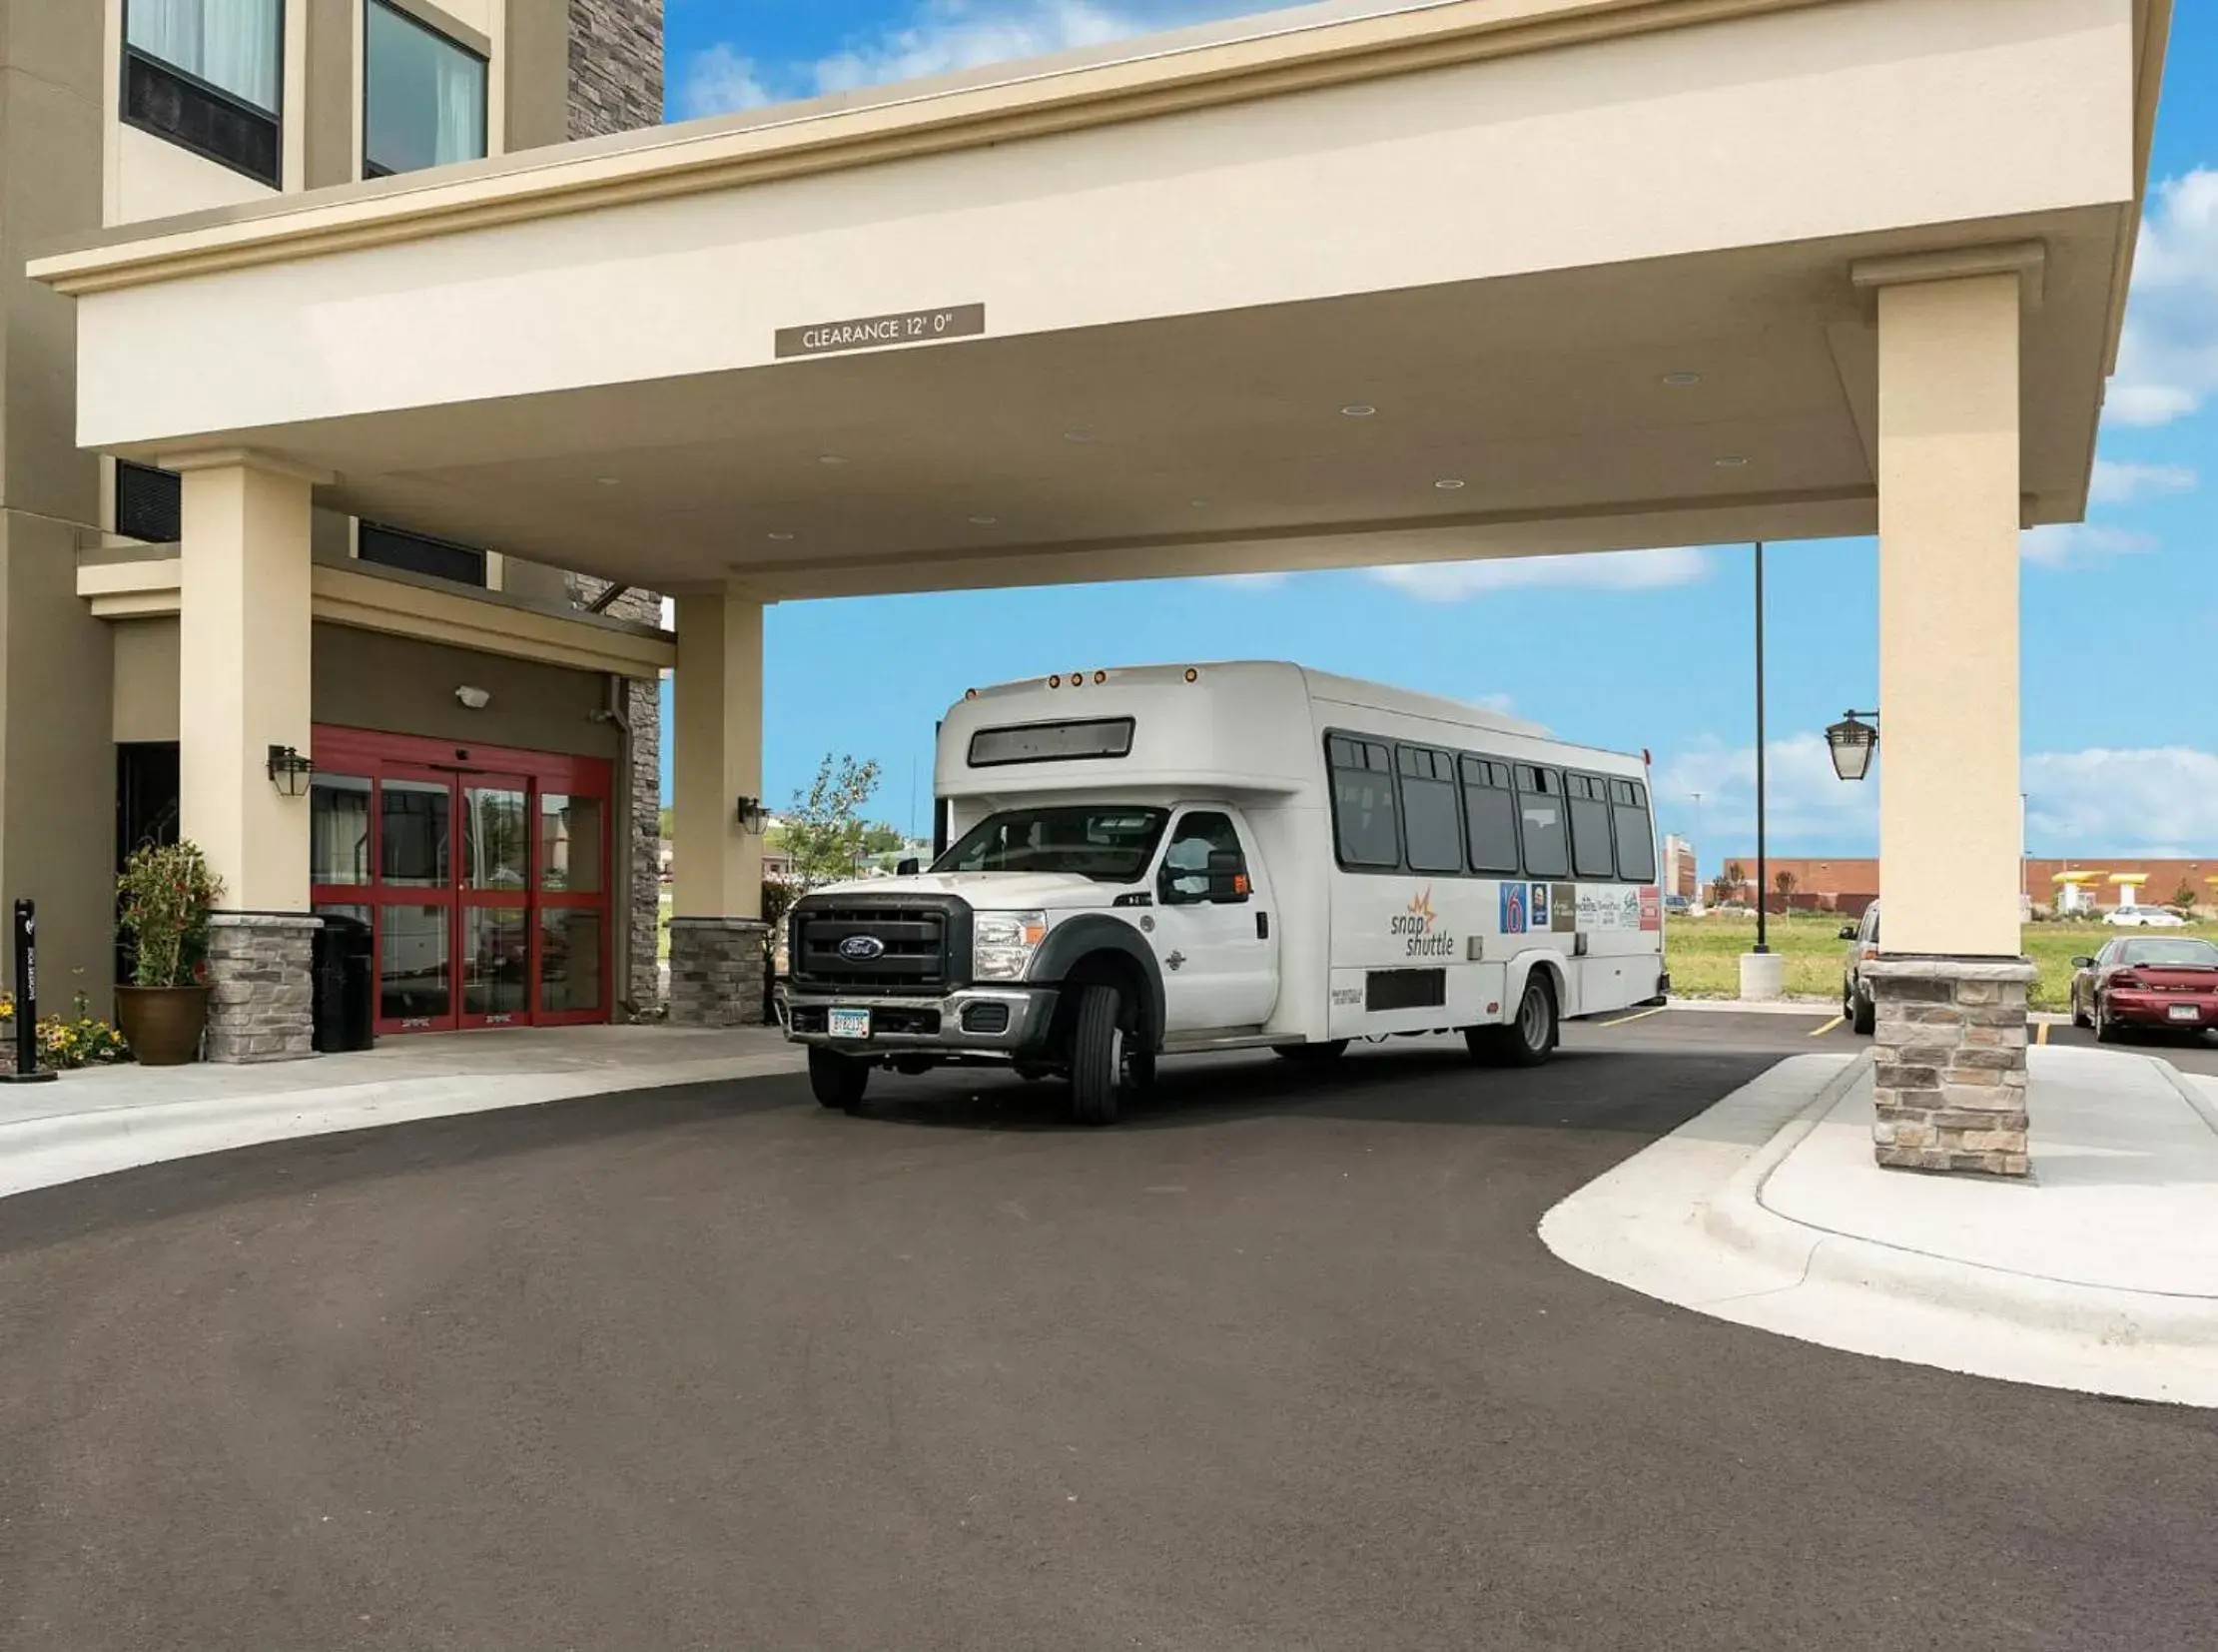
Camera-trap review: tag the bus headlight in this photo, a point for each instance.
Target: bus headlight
(1001, 943)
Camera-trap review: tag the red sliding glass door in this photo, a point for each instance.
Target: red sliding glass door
(483, 873)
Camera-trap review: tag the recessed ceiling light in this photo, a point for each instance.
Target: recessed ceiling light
(1078, 435)
(606, 481)
(1682, 381)
(780, 537)
(986, 521)
(1732, 461)
(1359, 410)
(830, 458)
(1199, 504)
(1448, 485)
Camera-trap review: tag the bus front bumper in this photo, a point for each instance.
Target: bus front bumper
(999, 1023)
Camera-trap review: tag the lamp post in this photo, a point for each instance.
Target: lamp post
(1763, 932)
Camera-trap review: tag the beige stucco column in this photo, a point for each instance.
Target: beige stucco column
(243, 673)
(716, 759)
(1950, 986)
(243, 687)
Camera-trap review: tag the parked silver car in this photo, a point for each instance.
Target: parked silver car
(1863, 945)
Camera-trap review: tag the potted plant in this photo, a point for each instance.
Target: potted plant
(167, 894)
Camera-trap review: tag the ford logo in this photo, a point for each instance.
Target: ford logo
(861, 949)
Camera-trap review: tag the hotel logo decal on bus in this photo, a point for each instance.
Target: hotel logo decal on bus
(1420, 928)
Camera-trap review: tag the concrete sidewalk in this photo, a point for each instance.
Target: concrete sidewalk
(2100, 1274)
(100, 1120)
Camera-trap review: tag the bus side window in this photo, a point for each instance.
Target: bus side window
(1490, 814)
(1541, 822)
(1636, 833)
(1591, 855)
(1365, 829)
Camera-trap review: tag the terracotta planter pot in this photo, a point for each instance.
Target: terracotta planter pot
(163, 1023)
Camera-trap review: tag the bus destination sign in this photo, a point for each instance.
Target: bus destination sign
(907, 327)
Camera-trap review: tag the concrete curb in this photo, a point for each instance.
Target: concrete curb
(1738, 1217)
(55, 1149)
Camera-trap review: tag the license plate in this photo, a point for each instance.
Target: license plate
(849, 1024)
(2184, 1012)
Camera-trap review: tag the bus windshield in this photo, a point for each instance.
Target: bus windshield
(1107, 842)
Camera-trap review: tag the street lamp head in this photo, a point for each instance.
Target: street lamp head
(1852, 742)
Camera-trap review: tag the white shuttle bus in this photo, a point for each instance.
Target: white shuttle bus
(1170, 859)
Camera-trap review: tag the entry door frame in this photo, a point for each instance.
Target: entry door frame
(379, 757)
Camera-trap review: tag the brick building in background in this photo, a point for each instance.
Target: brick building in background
(1849, 884)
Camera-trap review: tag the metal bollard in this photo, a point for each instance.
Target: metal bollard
(27, 1068)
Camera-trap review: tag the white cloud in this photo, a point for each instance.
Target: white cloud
(2149, 801)
(1805, 801)
(2168, 356)
(1609, 571)
(2080, 544)
(2119, 482)
(937, 37)
(2103, 802)
(719, 81)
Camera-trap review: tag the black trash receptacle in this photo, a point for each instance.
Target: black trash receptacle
(344, 987)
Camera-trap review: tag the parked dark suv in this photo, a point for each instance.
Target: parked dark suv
(1856, 996)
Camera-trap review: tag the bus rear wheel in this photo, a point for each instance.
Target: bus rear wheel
(1528, 1038)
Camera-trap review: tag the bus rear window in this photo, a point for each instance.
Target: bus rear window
(1052, 742)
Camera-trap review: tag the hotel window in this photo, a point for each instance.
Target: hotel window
(208, 75)
(424, 96)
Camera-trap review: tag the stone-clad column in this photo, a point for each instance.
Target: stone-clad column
(243, 687)
(716, 935)
(1950, 985)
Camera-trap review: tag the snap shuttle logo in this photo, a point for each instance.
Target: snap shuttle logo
(1421, 929)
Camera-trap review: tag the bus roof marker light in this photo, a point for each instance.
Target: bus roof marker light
(1193, 675)
(1101, 677)
(1055, 681)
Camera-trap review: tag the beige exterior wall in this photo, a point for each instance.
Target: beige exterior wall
(1949, 812)
(717, 713)
(403, 686)
(146, 679)
(56, 770)
(1426, 177)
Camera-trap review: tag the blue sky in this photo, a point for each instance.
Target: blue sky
(2120, 614)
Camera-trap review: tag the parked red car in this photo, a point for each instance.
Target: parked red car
(2170, 983)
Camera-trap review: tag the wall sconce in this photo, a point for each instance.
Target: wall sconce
(750, 816)
(1852, 742)
(289, 771)
(474, 699)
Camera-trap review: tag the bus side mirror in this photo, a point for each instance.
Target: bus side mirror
(907, 867)
(2083, 963)
(1227, 875)
(1848, 932)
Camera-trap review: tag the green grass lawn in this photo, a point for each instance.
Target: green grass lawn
(1703, 954)
(663, 902)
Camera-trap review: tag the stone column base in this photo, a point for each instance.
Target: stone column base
(261, 989)
(1950, 1087)
(717, 972)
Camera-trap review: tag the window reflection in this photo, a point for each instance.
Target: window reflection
(570, 854)
(496, 961)
(414, 820)
(493, 842)
(338, 829)
(569, 960)
(414, 979)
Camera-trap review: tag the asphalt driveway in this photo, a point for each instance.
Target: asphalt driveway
(1281, 1365)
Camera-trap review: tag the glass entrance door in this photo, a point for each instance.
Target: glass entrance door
(486, 889)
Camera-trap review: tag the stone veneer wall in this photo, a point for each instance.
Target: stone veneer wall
(640, 864)
(717, 972)
(1949, 1084)
(616, 86)
(260, 987)
(615, 66)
